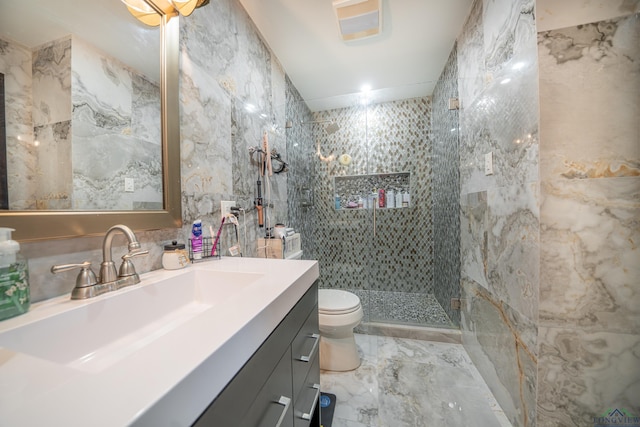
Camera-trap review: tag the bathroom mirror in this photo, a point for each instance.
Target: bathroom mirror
(50, 218)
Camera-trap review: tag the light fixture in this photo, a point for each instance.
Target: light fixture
(186, 7)
(358, 18)
(151, 12)
(144, 12)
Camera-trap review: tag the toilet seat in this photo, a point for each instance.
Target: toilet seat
(336, 302)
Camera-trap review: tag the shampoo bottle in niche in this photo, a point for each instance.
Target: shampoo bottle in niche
(382, 203)
(406, 199)
(391, 198)
(14, 277)
(398, 199)
(196, 239)
(372, 199)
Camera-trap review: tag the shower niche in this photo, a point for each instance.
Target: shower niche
(382, 191)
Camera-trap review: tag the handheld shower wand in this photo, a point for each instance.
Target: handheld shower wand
(259, 206)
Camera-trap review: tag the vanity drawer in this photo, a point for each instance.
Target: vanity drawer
(306, 410)
(274, 404)
(305, 348)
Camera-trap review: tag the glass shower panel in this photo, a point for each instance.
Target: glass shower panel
(402, 259)
(342, 233)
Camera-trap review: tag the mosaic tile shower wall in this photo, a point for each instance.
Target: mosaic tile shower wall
(446, 188)
(398, 260)
(300, 179)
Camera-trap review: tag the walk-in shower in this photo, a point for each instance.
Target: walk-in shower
(384, 253)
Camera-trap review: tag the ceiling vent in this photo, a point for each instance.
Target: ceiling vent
(358, 18)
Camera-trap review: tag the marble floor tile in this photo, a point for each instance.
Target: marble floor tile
(406, 382)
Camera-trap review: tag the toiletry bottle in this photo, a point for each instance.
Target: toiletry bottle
(398, 199)
(336, 200)
(196, 239)
(391, 198)
(406, 200)
(360, 202)
(381, 201)
(14, 277)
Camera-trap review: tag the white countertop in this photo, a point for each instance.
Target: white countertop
(165, 382)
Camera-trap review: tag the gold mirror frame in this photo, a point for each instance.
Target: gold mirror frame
(43, 225)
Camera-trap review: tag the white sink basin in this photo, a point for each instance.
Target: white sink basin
(153, 354)
(97, 335)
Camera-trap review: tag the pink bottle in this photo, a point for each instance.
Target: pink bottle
(381, 199)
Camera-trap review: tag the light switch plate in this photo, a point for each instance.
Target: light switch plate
(129, 186)
(225, 207)
(488, 163)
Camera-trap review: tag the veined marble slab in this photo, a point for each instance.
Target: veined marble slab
(407, 382)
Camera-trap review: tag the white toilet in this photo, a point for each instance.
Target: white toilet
(339, 312)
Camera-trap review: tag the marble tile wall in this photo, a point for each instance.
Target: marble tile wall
(75, 123)
(446, 189)
(52, 127)
(499, 219)
(16, 65)
(4, 196)
(224, 66)
(51, 73)
(110, 102)
(232, 91)
(589, 338)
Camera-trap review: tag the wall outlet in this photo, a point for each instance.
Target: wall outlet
(129, 185)
(488, 163)
(225, 207)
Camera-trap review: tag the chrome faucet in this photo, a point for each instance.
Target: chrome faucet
(87, 286)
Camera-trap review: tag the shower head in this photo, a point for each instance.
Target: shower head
(330, 128)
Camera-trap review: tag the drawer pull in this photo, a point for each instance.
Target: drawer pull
(286, 402)
(307, 416)
(316, 337)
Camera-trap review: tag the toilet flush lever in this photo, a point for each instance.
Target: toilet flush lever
(307, 358)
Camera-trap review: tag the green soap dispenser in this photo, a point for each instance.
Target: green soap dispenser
(14, 277)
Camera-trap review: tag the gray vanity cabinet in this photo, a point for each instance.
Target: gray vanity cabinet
(306, 370)
(279, 385)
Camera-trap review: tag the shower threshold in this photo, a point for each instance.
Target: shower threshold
(416, 332)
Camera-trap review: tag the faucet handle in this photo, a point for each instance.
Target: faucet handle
(85, 278)
(127, 268)
(134, 253)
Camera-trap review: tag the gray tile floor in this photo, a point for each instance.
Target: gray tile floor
(404, 307)
(406, 382)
